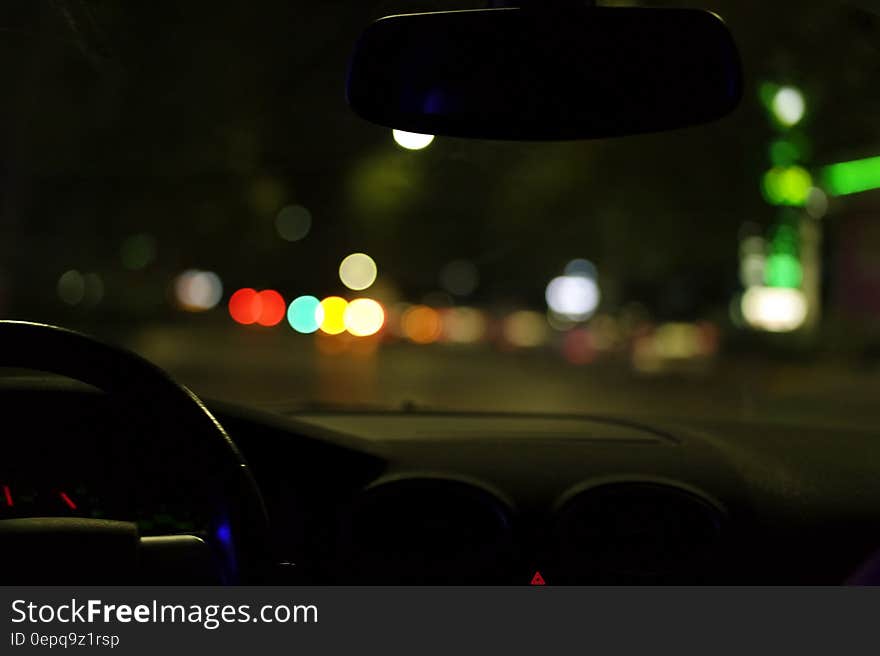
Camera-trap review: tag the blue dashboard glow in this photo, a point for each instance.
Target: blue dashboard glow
(224, 535)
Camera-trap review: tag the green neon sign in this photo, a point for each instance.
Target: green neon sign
(852, 177)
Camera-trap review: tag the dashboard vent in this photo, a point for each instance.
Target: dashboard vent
(637, 532)
(426, 531)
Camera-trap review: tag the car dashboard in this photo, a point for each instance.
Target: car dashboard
(413, 497)
(405, 498)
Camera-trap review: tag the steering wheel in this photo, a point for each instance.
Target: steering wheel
(65, 550)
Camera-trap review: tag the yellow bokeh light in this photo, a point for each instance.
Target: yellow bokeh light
(364, 317)
(358, 271)
(464, 325)
(525, 329)
(412, 140)
(333, 321)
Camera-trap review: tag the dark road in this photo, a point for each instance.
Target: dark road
(280, 371)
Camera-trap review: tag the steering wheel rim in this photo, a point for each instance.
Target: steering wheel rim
(122, 373)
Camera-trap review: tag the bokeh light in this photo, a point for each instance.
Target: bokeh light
(787, 185)
(71, 287)
(784, 152)
(94, 289)
(577, 347)
(752, 245)
(558, 322)
(363, 317)
(788, 106)
(333, 321)
(581, 267)
(138, 251)
(245, 306)
(525, 329)
(573, 297)
(459, 277)
(675, 342)
(305, 314)
(464, 325)
(293, 222)
(785, 239)
(605, 332)
(198, 291)
(272, 308)
(783, 270)
(774, 309)
(817, 203)
(678, 341)
(422, 324)
(357, 271)
(751, 269)
(644, 355)
(710, 337)
(412, 140)
(753, 260)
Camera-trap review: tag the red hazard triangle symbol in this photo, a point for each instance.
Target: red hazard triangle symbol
(537, 579)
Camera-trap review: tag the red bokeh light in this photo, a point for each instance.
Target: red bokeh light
(272, 308)
(577, 346)
(246, 306)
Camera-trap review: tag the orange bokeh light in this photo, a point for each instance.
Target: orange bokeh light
(422, 324)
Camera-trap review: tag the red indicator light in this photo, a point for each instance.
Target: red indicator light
(537, 579)
(7, 493)
(272, 308)
(67, 500)
(246, 306)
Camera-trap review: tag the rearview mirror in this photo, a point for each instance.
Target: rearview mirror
(533, 74)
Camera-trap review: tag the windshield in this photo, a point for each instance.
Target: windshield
(188, 181)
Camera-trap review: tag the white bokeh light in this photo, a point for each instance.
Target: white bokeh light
(774, 309)
(573, 297)
(198, 291)
(358, 271)
(412, 140)
(788, 106)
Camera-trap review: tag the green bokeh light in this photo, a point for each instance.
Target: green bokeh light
(766, 92)
(785, 240)
(783, 270)
(787, 185)
(784, 153)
